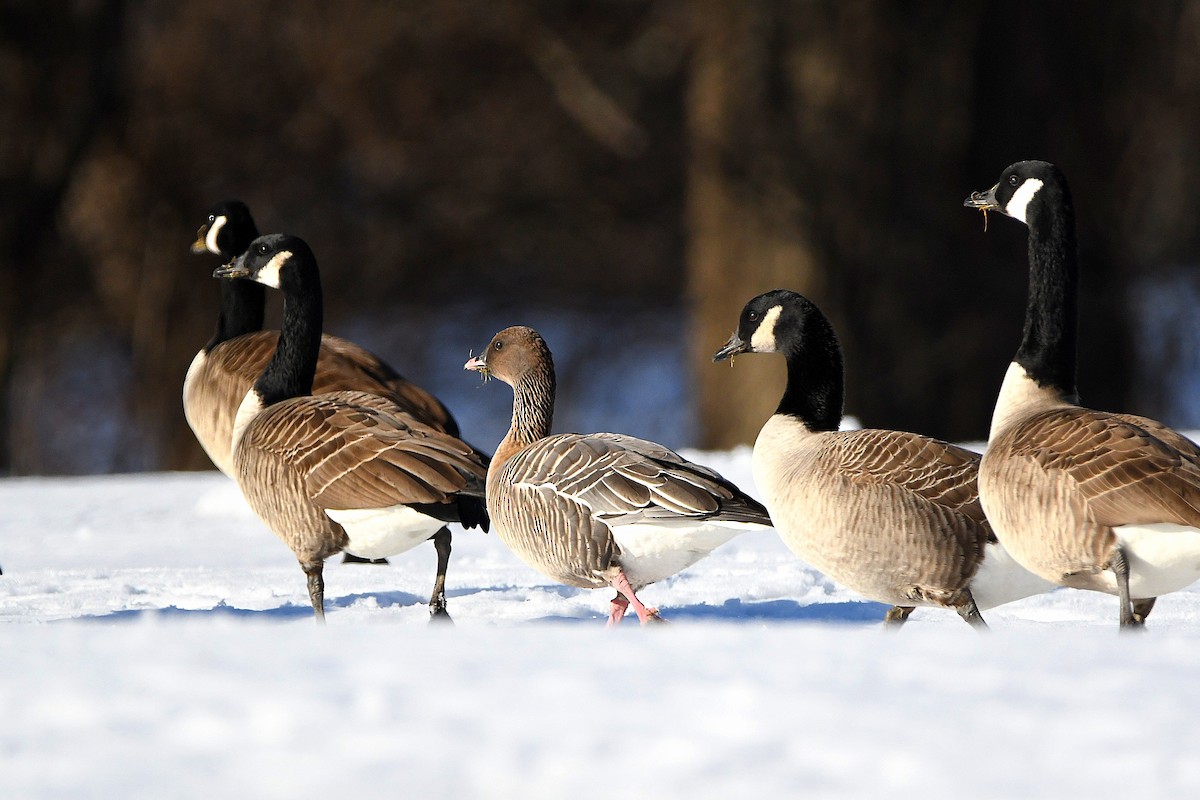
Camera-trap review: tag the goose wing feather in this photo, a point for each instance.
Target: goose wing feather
(356, 450)
(1124, 471)
(940, 473)
(623, 480)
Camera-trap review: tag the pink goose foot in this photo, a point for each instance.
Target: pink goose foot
(625, 593)
(616, 610)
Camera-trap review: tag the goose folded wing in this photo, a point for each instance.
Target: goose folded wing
(624, 480)
(357, 366)
(353, 454)
(942, 474)
(1124, 473)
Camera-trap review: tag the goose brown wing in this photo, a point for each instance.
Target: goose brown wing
(940, 473)
(623, 480)
(356, 450)
(1123, 472)
(344, 365)
(1168, 436)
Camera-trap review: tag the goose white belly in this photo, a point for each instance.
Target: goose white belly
(382, 532)
(651, 553)
(1001, 580)
(1163, 558)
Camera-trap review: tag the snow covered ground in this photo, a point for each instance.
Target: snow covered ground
(159, 644)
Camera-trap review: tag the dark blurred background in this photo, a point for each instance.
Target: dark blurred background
(621, 174)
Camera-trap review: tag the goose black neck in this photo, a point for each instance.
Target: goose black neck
(533, 405)
(1049, 341)
(242, 310)
(290, 371)
(815, 382)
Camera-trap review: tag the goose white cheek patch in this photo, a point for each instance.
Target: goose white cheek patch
(763, 340)
(210, 241)
(1019, 203)
(269, 274)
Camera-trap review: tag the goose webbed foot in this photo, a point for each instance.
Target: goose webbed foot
(970, 613)
(897, 616)
(625, 592)
(616, 610)
(1141, 609)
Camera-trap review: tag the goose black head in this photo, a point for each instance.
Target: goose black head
(767, 320)
(278, 260)
(1024, 189)
(228, 230)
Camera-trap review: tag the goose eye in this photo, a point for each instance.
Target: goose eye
(752, 316)
(1013, 180)
(212, 217)
(263, 249)
(498, 346)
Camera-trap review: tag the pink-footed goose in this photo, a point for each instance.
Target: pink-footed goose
(340, 471)
(893, 516)
(1087, 499)
(599, 509)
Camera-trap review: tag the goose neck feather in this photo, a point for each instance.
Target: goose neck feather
(290, 371)
(242, 311)
(533, 412)
(1048, 343)
(815, 388)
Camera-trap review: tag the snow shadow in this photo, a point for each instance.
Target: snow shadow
(737, 610)
(283, 613)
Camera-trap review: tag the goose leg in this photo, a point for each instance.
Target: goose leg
(437, 603)
(621, 583)
(316, 588)
(1120, 568)
(970, 612)
(617, 608)
(897, 615)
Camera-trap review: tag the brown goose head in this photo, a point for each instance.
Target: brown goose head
(513, 354)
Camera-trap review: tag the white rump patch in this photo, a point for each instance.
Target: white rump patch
(383, 532)
(269, 274)
(763, 340)
(1001, 580)
(1163, 557)
(652, 552)
(210, 239)
(1018, 204)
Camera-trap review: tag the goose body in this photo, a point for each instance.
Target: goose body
(894, 516)
(601, 509)
(341, 471)
(1084, 498)
(225, 368)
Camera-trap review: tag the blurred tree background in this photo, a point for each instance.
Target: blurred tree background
(623, 174)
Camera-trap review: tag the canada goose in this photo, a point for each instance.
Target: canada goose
(343, 470)
(222, 372)
(599, 509)
(894, 516)
(1087, 499)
